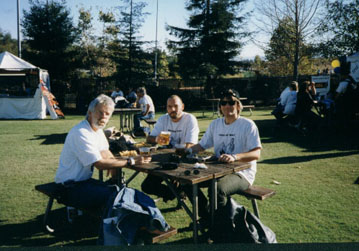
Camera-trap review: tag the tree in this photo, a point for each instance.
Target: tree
(50, 33)
(340, 29)
(207, 49)
(282, 47)
(87, 50)
(295, 19)
(7, 43)
(131, 60)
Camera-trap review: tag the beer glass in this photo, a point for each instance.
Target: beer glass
(164, 138)
(145, 151)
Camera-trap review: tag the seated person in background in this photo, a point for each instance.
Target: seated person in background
(148, 109)
(132, 96)
(86, 147)
(305, 102)
(234, 138)
(184, 130)
(116, 93)
(288, 102)
(347, 97)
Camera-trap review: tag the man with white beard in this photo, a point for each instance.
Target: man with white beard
(86, 147)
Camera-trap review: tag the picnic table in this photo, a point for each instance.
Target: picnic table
(214, 171)
(126, 117)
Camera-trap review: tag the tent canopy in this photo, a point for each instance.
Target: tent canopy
(10, 62)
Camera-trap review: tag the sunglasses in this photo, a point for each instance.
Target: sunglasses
(229, 102)
(188, 172)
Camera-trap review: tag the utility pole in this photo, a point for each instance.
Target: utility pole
(18, 30)
(156, 44)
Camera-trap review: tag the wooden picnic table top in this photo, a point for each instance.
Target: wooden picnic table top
(215, 169)
(129, 109)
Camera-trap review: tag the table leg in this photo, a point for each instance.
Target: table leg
(195, 212)
(213, 110)
(213, 200)
(121, 122)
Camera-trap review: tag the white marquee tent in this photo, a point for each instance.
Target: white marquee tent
(21, 107)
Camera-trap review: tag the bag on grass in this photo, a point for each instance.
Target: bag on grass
(234, 223)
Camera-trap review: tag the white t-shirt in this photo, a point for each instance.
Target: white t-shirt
(290, 103)
(81, 149)
(144, 101)
(284, 95)
(239, 137)
(184, 131)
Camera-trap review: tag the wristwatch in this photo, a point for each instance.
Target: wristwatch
(235, 157)
(130, 161)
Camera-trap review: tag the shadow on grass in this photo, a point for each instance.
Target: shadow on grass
(82, 232)
(299, 159)
(51, 139)
(319, 140)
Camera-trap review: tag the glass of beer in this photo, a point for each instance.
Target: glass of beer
(164, 138)
(145, 151)
(180, 150)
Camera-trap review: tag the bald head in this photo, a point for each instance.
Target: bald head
(175, 107)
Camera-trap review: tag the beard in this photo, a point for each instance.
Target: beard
(97, 125)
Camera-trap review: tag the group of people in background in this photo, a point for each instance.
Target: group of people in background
(296, 102)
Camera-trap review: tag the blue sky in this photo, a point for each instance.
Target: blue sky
(171, 12)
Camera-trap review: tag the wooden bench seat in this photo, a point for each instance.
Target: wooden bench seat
(254, 193)
(53, 190)
(250, 107)
(150, 122)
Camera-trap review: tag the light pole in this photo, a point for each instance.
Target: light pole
(18, 30)
(156, 43)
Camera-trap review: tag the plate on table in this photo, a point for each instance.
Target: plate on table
(201, 157)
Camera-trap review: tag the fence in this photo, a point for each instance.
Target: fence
(260, 90)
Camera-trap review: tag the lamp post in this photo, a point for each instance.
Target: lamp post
(18, 30)
(156, 43)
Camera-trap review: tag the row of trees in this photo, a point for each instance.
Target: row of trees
(301, 33)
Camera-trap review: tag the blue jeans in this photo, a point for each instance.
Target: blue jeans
(138, 117)
(89, 193)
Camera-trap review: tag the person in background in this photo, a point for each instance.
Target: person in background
(287, 102)
(148, 109)
(116, 93)
(86, 148)
(184, 131)
(132, 96)
(234, 138)
(305, 103)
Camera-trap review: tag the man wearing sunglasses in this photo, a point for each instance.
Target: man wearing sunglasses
(184, 131)
(234, 138)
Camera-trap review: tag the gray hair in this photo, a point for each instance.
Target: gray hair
(100, 99)
(141, 90)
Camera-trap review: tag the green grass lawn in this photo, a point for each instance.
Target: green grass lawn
(316, 199)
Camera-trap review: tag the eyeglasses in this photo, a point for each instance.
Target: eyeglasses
(229, 102)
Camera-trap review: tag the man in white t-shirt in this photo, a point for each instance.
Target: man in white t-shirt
(184, 130)
(234, 138)
(86, 147)
(148, 109)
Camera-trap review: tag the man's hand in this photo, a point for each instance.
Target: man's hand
(227, 158)
(142, 160)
